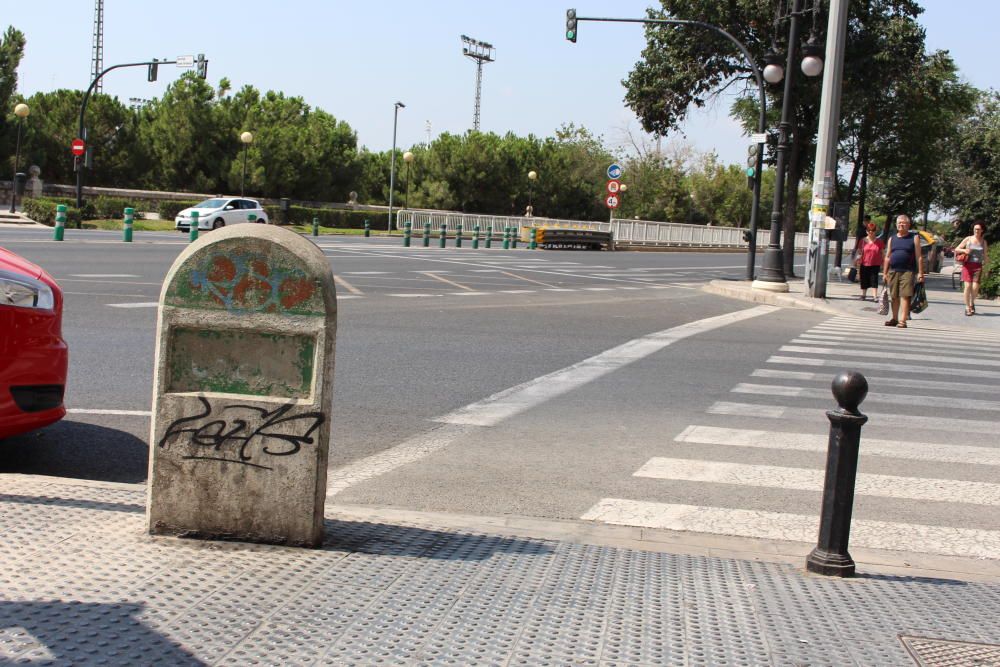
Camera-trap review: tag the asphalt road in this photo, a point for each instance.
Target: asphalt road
(718, 426)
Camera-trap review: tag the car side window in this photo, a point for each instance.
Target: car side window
(231, 205)
(248, 205)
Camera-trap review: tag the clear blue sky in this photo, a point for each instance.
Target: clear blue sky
(355, 59)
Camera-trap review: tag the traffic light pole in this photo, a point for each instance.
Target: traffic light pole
(774, 243)
(79, 165)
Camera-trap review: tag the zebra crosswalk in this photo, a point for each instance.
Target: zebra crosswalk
(928, 474)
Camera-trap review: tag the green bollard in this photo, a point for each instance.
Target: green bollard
(427, 234)
(533, 234)
(127, 227)
(489, 236)
(368, 229)
(506, 238)
(315, 226)
(513, 238)
(407, 230)
(458, 235)
(60, 222)
(193, 232)
(475, 238)
(444, 234)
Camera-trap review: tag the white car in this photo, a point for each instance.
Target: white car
(221, 211)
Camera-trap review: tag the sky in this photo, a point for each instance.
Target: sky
(356, 59)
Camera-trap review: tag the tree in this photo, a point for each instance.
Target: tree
(684, 66)
(11, 51)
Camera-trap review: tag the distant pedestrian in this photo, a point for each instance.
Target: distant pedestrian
(871, 252)
(902, 269)
(975, 248)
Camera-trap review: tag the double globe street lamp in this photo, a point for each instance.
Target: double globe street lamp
(772, 274)
(21, 111)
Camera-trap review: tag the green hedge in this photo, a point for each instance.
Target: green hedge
(43, 210)
(168, 210)
(990, 286)
(113, 208)
(339, 218)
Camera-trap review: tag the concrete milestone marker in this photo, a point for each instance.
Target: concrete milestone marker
(241, 393)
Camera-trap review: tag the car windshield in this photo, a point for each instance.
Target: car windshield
(212, 203)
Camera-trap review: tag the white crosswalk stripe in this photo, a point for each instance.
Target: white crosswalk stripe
(930, 438)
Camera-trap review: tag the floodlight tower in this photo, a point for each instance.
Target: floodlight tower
(97, 57)
(481, 52)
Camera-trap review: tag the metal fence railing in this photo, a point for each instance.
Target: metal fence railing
(626, 232)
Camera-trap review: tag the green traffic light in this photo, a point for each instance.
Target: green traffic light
(571, 35)
(750, 172)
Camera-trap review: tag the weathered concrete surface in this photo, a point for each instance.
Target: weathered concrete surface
(242, 389)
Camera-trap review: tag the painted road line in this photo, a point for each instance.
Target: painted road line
(529, 280)
(142, 304)
(875, 380)
(877, 366)
(470, 293)
(559, 289)
(413, 296)
(346, 285)
(805, 479)
(435, 276)
(901, 399)
(104, 275)
(980, 349)
(890, 334)
(629, 288)
(127, 413)
(939, 452)
(913, 423)
(599, 289)
(366, 273)
(517, 291)
(918, 538)
(879, 354)
(943, 334)
(118, 296)
(341, 297)
(104, 282)
(505, 404)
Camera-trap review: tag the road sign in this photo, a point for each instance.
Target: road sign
(614, 186)
(612, 201)
(185, 61)
(78, 147)
(615, 171)
(758, 138)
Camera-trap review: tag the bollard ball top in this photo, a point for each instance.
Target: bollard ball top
(850, 389)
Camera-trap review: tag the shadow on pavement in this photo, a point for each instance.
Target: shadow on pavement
(77, 450)
(66, 633)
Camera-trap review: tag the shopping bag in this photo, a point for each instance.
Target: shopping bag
(918, 303)
(883, 301)
(852, 275)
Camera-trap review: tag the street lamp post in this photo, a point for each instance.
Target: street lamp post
(772, 273)
(21, 111)
(407, 158)
(532, 177)
(247, 139)
(392, 160)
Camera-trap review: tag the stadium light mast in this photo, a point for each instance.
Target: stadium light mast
(480, 52)
(97, 52)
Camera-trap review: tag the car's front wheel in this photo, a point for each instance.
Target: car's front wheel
(219, 222)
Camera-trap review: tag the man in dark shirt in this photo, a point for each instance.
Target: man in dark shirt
(902, 269)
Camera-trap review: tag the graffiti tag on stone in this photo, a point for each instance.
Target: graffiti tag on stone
(243, 434)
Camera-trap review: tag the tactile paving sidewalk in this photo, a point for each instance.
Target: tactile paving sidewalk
(81, 584)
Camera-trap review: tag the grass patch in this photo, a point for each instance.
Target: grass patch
(138, 225)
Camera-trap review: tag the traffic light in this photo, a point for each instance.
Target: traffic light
(752, 165)
(151, 73)
(571, 25)
(202, 66)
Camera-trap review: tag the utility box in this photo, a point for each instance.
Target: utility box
(242, 389)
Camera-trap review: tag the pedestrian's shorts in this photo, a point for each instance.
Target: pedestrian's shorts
(900, 284)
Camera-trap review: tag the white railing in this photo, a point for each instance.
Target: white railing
(628, 232)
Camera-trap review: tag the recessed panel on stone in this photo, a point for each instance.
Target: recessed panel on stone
(242, 389)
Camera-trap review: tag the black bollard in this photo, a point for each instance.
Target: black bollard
(830, 557)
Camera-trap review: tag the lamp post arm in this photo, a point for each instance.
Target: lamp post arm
(83, 112)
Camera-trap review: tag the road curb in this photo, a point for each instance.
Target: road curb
(743, 291)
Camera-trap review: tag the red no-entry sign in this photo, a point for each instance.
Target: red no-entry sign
(77, 147)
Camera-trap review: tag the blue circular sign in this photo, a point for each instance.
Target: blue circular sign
(615, 171)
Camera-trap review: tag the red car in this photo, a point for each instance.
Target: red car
(33, 354)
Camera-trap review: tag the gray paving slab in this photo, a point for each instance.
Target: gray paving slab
(84, 585)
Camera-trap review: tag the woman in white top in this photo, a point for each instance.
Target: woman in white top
(974, 248)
